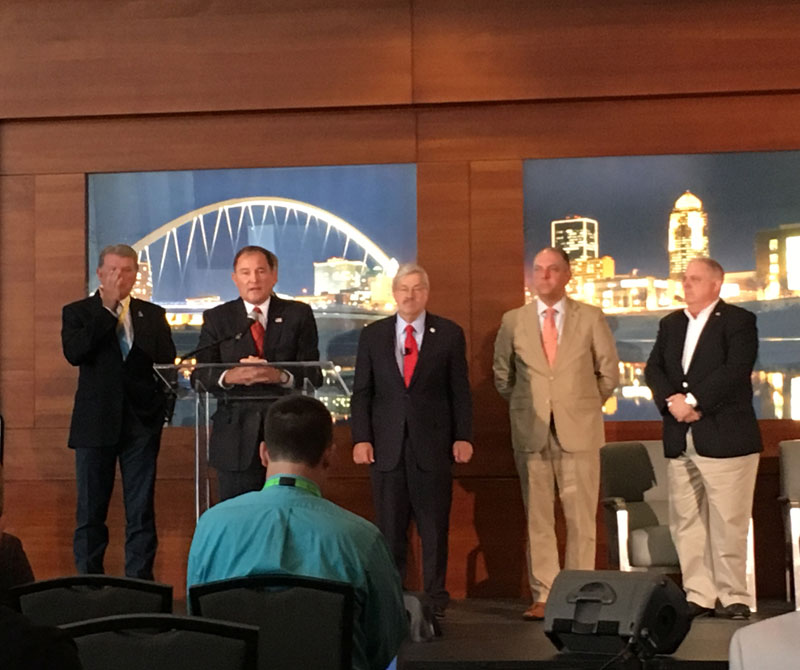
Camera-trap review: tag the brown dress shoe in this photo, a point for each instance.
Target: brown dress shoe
(534, 613)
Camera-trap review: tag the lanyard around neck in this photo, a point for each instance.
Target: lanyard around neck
(283, 480)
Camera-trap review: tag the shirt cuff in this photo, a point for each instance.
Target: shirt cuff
(691, 400)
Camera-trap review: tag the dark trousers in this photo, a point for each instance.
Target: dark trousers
(407, 493)
(95, 469)
(232, 484)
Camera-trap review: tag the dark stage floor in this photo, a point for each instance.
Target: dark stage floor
(491, 634)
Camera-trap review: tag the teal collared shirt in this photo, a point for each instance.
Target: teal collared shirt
(290, 528)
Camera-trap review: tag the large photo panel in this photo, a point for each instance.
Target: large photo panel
(631, 224)
(339, 232)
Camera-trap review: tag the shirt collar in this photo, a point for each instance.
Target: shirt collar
(703, 314)
(560, 306)
(418, 323)
(264, 307)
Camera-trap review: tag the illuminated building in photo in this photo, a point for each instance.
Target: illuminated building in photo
(627, 293)
(577, 235)
(336, 275)
(143, 288)
(778, 261)
(587, 272)
(688, 233)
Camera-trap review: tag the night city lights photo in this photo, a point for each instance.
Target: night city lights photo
(631, 225)
(339, 232)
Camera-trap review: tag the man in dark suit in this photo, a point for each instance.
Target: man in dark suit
(411, 418)
(699, 372)
(257, 327)
(119, 410)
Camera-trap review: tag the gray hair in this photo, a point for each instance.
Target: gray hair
(122, 250)
(409, 269)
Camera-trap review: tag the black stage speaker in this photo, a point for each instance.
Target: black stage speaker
(606, 611)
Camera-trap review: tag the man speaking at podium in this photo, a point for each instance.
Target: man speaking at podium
(120, 406)
(257, 327)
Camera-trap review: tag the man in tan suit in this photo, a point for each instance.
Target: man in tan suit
(556, 363)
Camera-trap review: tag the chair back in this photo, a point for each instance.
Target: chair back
(53, 602)
(304, 622)
(789, 456)
(635, 473)
(163, 642)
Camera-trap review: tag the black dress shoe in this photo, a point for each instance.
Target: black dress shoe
(737, 611)
(696, 610)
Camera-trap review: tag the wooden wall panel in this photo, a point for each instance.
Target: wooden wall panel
(95, 57)
(206, 141)
(443, 239)
(610, 128)
(60, 252)
(16, 298)
(471, 50)
(496, 262)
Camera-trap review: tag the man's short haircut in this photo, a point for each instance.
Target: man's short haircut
(557, 250)
(711, 264)
(409, 269)
(118, 250)
(272, 259)
(298, 429)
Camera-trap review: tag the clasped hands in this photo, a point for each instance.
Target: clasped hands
(681, 410)
(253, 374)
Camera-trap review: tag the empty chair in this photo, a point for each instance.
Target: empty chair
(790, 496)
(304, 622)
(53, 602)
(163, 642)
(633, 478)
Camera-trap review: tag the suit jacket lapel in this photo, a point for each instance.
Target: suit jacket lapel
(568, 331)
(430, 344)
(274, 326)
(708, 337)
(531, 325)
(390, 346)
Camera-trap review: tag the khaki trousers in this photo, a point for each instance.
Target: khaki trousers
(710, 503)
(577, 476)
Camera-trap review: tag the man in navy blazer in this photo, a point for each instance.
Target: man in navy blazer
(699, 372)
(120, 408)
(411, 418)
(289, 334)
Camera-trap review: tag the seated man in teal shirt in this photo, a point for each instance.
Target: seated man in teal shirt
(288, 527)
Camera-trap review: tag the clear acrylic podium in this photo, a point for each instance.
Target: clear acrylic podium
(196, 391)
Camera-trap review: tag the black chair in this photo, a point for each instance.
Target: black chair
(789, 457)
(163, 642)
(304, 622)
(53, 602)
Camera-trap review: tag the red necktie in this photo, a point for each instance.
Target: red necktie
(410, 355)
(257, 331)
(550, 335)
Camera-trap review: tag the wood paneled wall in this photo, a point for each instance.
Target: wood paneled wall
(465, 89)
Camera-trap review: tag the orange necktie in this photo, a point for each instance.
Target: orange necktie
(257, 331)
(550, 335)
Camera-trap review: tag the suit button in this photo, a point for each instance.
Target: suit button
(685, 385)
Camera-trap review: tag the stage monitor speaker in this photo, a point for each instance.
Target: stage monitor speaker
(607, 612)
